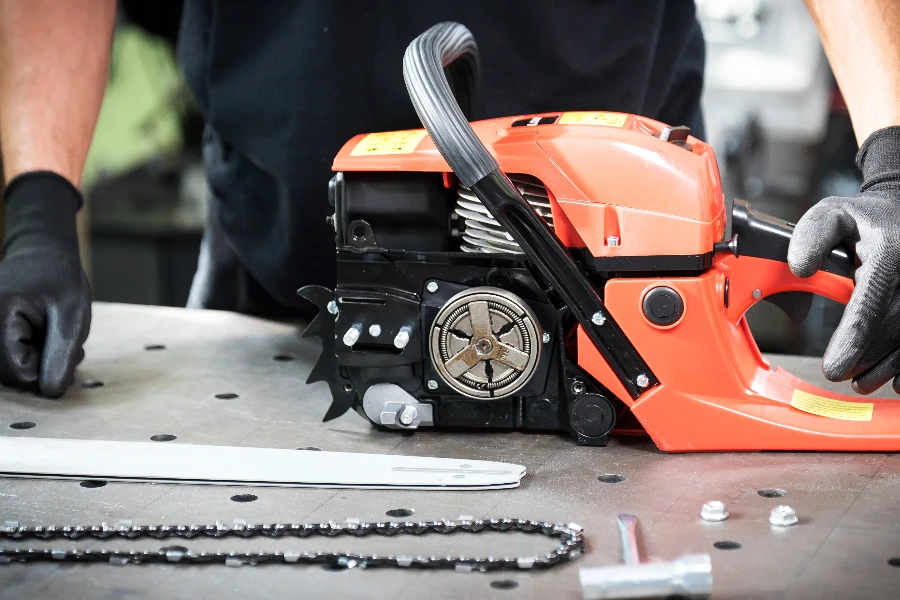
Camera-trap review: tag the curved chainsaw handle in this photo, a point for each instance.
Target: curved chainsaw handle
(746, 280)
(423, 71)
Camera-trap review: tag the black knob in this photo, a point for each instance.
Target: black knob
(663, 306)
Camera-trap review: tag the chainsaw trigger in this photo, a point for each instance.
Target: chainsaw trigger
(795, 305)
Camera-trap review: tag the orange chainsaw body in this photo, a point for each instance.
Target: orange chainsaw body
(610, 178)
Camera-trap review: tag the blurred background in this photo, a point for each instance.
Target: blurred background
(773, 114)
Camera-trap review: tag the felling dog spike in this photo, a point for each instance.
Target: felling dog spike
(326, 369)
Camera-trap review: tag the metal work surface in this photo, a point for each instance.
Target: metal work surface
(217, 378)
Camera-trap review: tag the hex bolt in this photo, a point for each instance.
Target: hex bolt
(375, 330)
(332, 307)
(545, 338)
(432, 384)
(408, 414)
(352, 334)
(432, 286)
(612, 240)
(783, 516)
(402, 337)
(714, 511)
(642, 381)
(597, 318)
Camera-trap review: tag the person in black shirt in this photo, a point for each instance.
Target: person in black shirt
(284, 84)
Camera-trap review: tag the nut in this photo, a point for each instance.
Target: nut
(783, 516)
(714, 511)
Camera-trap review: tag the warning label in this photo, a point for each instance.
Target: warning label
(389, 142)
(593, 118)
(833, 409)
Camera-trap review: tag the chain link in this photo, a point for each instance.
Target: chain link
(570, 547)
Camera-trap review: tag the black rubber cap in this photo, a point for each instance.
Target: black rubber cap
(663, 306)
(592, 415)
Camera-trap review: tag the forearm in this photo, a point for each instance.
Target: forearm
(54, 58)
(862, 42)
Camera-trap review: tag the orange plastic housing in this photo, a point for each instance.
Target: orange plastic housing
(615, 177)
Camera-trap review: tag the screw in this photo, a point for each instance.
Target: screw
(332, 307)
(432, 384)
(783, 516)
(714, 511)
(402, 338)
(545, 338)
(757, 294)
(612, 240)
(577, 387)
(642, 381)
(352, 334)
(432, 286)
(408, 414)
(375, 330)
(597, 318)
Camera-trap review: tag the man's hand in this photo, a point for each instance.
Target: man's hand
(45, 299)
(866, 344)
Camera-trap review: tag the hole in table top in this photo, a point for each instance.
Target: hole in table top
(244, 498)
(227, 396)
(163, 437)
(894, 562)
(401, 512)
(22, 425)
(772, 493)
(154, 347)
(334, 568)
(310, 448)
(93, 483)
(283, 358)
(611, 478)
(728, 545)
(504, 584)
(91, 384)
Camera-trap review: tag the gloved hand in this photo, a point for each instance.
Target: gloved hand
(866, 344)
(45, 298)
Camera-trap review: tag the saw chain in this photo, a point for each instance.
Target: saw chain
(570, 547)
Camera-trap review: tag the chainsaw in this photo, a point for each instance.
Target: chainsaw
(564, 271)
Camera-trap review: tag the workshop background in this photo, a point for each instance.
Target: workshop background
(773, 114)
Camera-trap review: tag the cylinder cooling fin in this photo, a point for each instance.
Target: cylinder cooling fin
(479, 230)
(485, 343)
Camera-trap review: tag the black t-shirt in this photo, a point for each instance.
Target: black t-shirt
(284, 84)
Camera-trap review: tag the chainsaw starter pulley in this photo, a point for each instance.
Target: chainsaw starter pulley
(485, 343)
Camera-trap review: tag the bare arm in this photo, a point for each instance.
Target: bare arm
(54, 58)
(862, 42)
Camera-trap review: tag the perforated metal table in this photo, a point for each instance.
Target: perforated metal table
(161, 371)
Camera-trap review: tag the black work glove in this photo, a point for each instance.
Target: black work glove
(866, 344)
(45, 298)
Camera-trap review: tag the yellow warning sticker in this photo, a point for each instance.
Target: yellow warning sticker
(593, 118)
(389, 142)
(833, 409)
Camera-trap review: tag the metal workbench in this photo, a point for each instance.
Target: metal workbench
(161, 370)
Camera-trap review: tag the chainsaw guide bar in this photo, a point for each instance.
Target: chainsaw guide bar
(154, 462)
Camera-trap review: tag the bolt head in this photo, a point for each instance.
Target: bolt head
(642, 381)
(375, 330)
(432, 384)
(598, 319)
(714, 511)
(408, 414)
(577, 387)
(432, 286)
(332, 307)
(545, 338)
(783, 516)
(757, 294)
